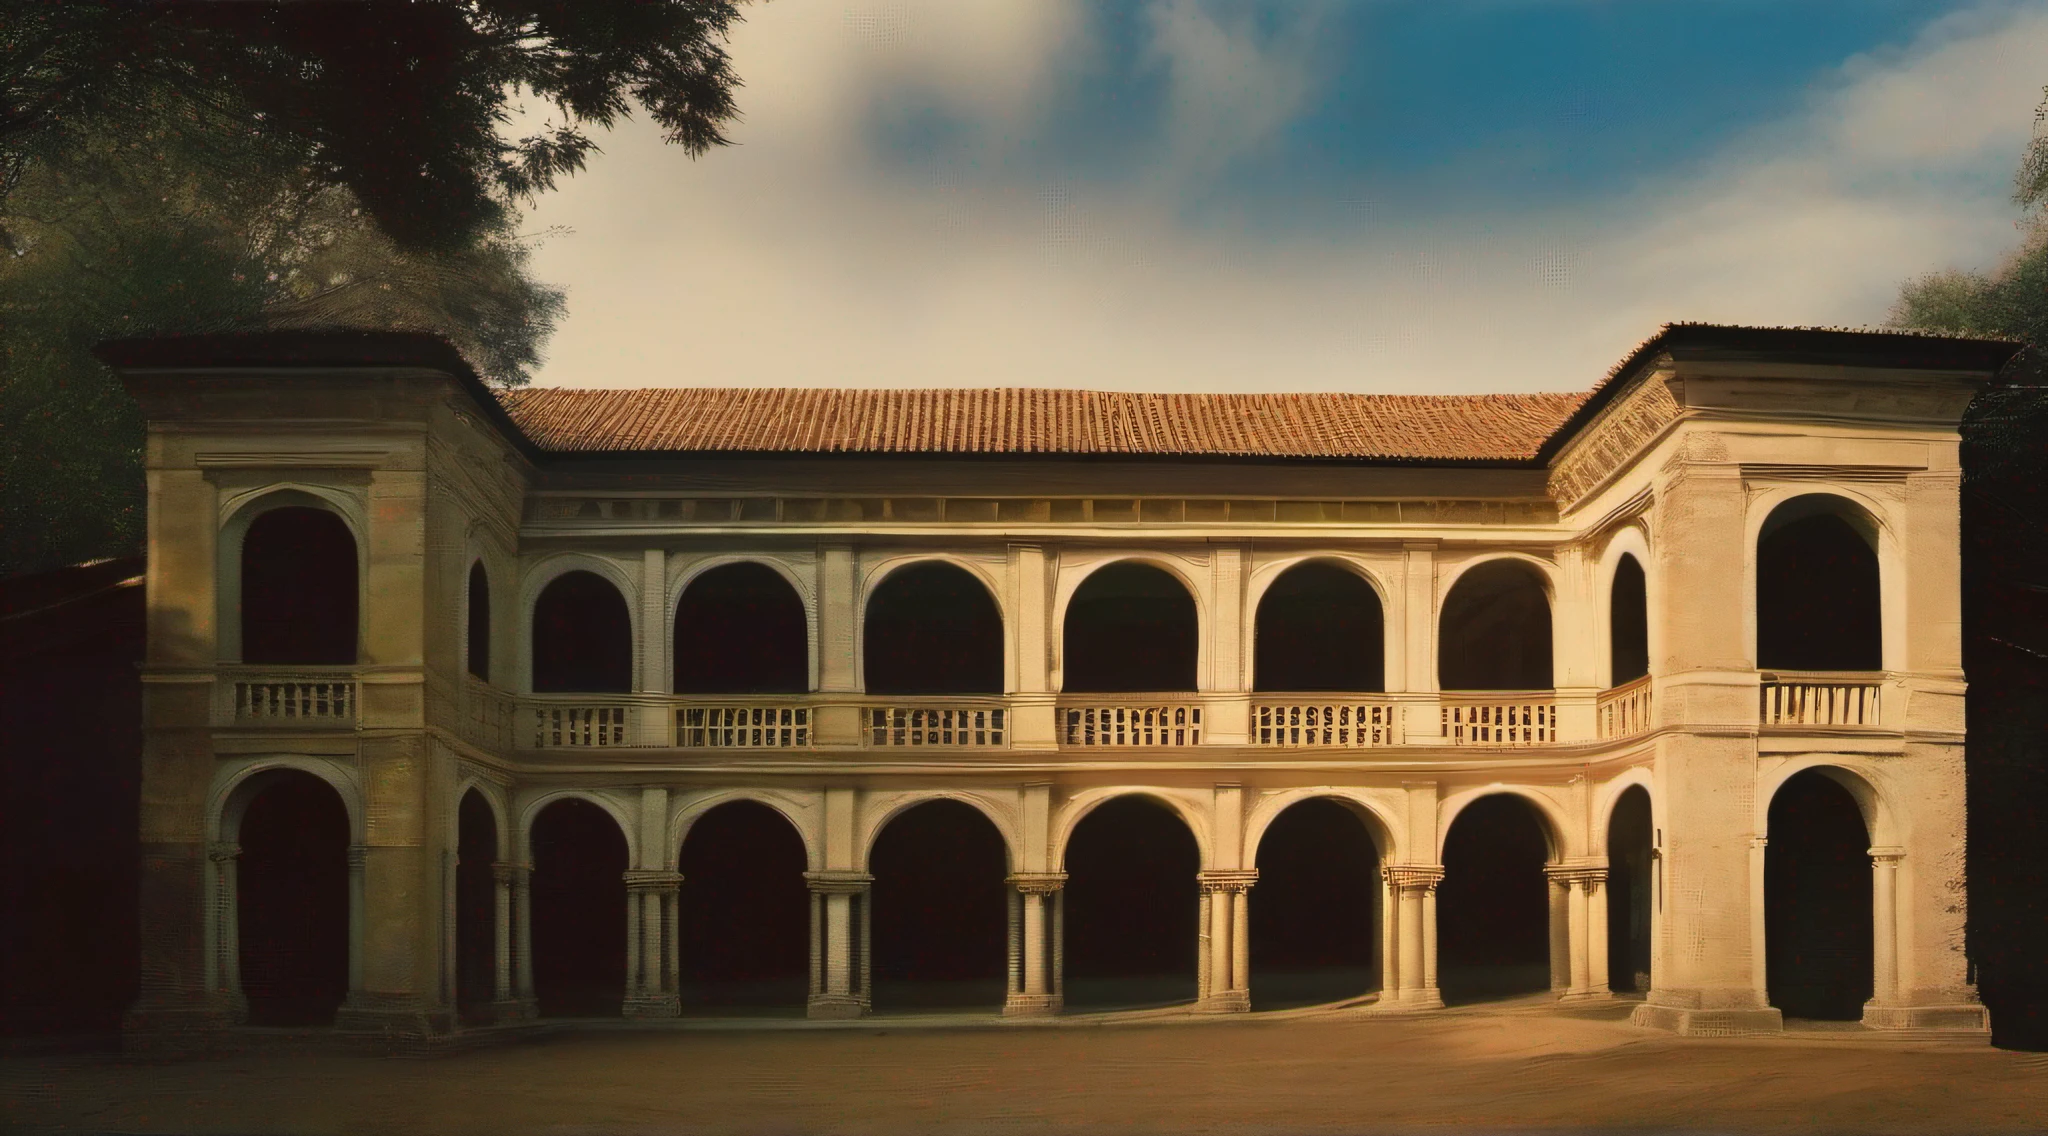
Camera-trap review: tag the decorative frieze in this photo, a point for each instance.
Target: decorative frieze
(686, 511)
(1613, 438)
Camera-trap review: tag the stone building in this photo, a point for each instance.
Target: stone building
(465, 706)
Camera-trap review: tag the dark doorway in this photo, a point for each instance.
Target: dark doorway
(292, 884)
(582, 637)
(941, 909)
(1817, 918)
(1630, 900)
(932, 628)
(579, 911)
(1130, 627)
(1496, 630)
(476, 909)
(1319, 628)
(1313, 909)
(1817, 601)
(1628, 622)
(1493, 906)
(740, 629)
(479, 622)
(299, 589)
(1132, 905)
(745, 922)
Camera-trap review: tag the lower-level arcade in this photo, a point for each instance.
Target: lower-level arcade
(916, 894)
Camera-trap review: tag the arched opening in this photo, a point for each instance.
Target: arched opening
(745, 917)
(1495, 630)
(1817, 903)
(476, 909)
(582, 637)
(579, 911)
(940, 909)
(1817, 602)
(1131, 906)
(1628, 623)
(740, 629)
(1314, 908)
(292, 885)
(1129, 627)
(1493, 906)
(932, 628)
(299, 590)
(1630, 896)
(479, 621)
(1319, 627)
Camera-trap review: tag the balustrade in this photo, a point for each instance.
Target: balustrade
(781, 725)
(1820, 698)
(977, 725)
(1324, 722)
(1527, 718)
(1129, 722)
(312, 696)
(579, 725)
(1625, 710)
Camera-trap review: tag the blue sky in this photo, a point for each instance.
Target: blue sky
(1384, 195)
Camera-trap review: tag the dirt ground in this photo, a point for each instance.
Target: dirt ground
(1470, 1070)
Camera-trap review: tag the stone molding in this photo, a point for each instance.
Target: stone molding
(651, 879)
(1585, 875)
(358, 857)
(838, 881)
(1406, 876)
(1228, 880)
(509, 872)
(1887, 854)
(222, 851)
(1037, 883)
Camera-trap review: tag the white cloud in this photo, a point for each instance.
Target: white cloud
(799, 257)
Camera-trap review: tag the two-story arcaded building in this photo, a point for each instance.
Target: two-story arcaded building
(464, 706)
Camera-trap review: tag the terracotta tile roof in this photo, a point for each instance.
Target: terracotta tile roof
(1027, 420)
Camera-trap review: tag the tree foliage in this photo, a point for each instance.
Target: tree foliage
(401, 103)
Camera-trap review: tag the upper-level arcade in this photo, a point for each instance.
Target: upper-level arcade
(1739, 528)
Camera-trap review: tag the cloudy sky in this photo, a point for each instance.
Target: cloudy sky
(1383, 195)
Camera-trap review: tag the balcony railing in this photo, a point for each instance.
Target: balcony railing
(1505, 719)
(1129, 720)
(981, 723)
(322, 697)
(1820, 698)
(566, 721)
(1329, 721)
(782, 724)
(1624, 711)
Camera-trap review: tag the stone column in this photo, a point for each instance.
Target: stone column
(1228, 718)
(1228, 989)
(528, 1005)
(654, 725)
(1578, 884)
(1596, 935)
(838, 722)
(1032, 709)
(1421, 719)
(223, 932)
(358, 863)
(1884, 925)
(504, 1008)
(839, 928)
(1559, 892)
(1035, 991)
(650, 989)
(1411, 888)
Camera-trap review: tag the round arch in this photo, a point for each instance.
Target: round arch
(500, 571)
(493, 796)
(1541, 572)
(883, 577)
(238, 511)
(1071, 587)
(799, 810)
(1550, 814)
(755, 628)
(531, 808)
(1608, 794)
(1863, 780)
(1631, 540)
(228, 797)
(1873, 518)
(1002, 815)
(1266, 576)
(1077, 808)
(535, 580)
(1379, 822)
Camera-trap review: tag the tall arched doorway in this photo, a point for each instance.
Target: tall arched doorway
(1630, 892)
(292, 884)
(1818, 607)
(940, 909)
(479, 622)
(582, 637)
(1129, 627)
(1628, 623)
(1495, 630)
(299, 589)
(579, 911)
(476, 908)
(1315, 908)
(1132, 905)
(932, 628)
(741, 629)
(745, 914)
(1319, 627)
(1493, 906)
(1817, 902)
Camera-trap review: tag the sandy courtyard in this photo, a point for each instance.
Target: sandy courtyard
(1485, 1070)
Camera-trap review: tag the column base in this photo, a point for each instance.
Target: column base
(1228, 1002)
(1414, 998)
(1693, 1021)
(1032, 1005)
(835, 1007)
(393, 1016)
(1595, 995)
(176, 1029)
(513, 1011)
(644, 1006)
(1956, 1018)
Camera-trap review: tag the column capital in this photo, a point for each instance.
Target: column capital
(838, 882)
(1408, 876)
(651, 879)
(358, 856)
(221, 851)
(1887, 854)
(1238, 880)
(1037, 883)
(510, 872)
(1580, 875)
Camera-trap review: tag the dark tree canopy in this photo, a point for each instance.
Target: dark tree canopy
(401, 103)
